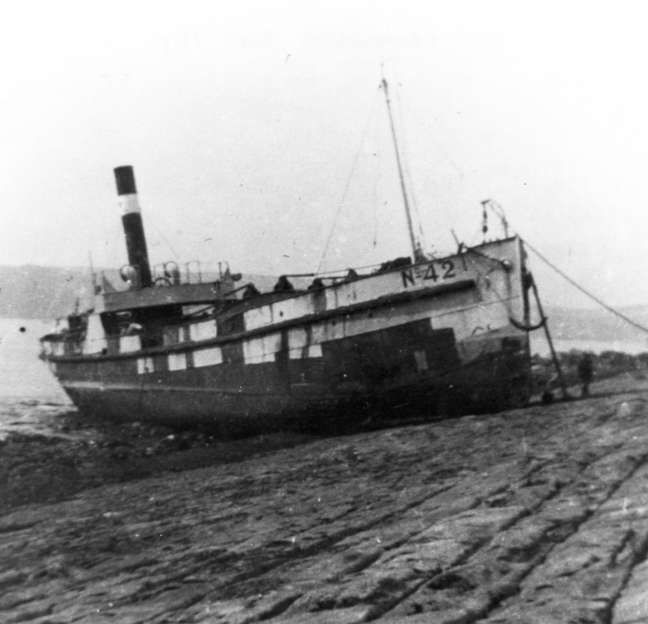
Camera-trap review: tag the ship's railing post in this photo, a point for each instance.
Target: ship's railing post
(172, 272)
(193, 268)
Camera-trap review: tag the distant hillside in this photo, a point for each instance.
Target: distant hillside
(41, 292)
(47, 292)
(597, 324)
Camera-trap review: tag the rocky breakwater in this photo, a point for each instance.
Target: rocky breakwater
(537, 515)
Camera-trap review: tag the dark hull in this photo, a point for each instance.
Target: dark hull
(200, 398)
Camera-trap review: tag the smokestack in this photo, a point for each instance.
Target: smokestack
(132, 221)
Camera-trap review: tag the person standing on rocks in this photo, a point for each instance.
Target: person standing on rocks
(585, 373)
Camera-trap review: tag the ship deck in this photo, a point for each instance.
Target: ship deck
(532, 515)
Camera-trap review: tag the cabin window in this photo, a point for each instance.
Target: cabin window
(152, 339)
(421, 360)
(177, 361)
(207, 357)
(172, 335)
(299, 345)
(128, 344)
(232, 353)
(112, 345)
(258, 350)
(231, 325)
(315, 351)
(204, 330)
(145, 365)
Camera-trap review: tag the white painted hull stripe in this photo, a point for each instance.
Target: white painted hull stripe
(155, 388)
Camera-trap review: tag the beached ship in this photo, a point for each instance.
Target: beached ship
(429, 334)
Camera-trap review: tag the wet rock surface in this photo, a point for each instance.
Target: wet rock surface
(71, 454)
(536, 515)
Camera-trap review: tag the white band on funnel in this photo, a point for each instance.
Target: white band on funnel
(128, 203)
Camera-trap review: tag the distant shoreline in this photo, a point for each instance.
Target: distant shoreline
(565, 345)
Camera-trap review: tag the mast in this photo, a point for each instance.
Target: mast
(93, 276)
(417, 252)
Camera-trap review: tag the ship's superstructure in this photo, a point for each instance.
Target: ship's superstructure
(439, 334)
(433, 334)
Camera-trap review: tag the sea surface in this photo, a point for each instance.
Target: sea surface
(31, 399)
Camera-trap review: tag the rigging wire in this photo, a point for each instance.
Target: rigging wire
(155, 223)
(376, 166)
(592, 296)
(166, 240)
(405, 159)
(348, 181)
(374, 203)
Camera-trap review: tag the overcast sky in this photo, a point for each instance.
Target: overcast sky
(246, 122)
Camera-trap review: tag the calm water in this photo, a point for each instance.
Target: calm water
(30, 397)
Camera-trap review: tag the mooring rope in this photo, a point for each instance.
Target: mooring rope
(586, 292)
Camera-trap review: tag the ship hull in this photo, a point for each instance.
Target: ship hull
(480, 386)
(434, 339)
